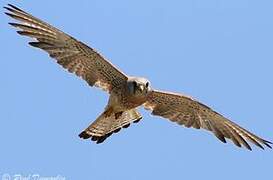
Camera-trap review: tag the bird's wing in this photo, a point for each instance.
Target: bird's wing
(191, 113)
(72, 54)
(104, 127)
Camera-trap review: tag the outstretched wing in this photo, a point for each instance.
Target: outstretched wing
(104, 127)
(190, 113)
(73, 55)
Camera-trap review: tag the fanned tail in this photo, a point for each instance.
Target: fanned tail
(106, 125)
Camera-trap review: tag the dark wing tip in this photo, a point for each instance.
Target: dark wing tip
(247, 146)
(261, 142)
(259, 145)
(34, 44)
(222, 139)
(267, 143)
(7, 8)
(14, 24)
(23, 33)
(14, 7)
(14, 16)
(9, 14)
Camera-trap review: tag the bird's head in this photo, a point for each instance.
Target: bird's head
(138, 86)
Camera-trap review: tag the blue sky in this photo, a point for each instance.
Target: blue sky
(218, 51)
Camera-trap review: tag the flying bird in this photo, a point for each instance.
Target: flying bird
(126, 93)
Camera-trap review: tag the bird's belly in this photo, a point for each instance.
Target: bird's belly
(130, 104)
(124, 106)
(121, 102)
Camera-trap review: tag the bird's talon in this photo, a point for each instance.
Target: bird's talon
(117, 115)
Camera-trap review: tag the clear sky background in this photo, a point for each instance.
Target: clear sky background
(218, 51)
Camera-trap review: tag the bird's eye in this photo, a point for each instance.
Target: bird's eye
(147, 84)
(135, 84)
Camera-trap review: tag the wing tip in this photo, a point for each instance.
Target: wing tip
(248, 147)
(34, 44)
(260, 145)
(7, 8)
(14, 24)
(9, 14)
(221, 138)
(14, 7)
(267, 143)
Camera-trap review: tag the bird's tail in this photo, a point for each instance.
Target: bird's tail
(106, 125)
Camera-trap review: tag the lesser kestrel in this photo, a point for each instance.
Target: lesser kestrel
(126, 93)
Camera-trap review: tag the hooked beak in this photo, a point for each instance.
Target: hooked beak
(141, 87)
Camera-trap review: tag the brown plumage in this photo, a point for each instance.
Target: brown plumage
(104, 127)
(126, 93)
(73, 55)
(190, 113)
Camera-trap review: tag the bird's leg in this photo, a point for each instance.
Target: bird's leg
(118, 114)
(108, 112)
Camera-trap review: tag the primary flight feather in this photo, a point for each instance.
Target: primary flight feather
(126, 93)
